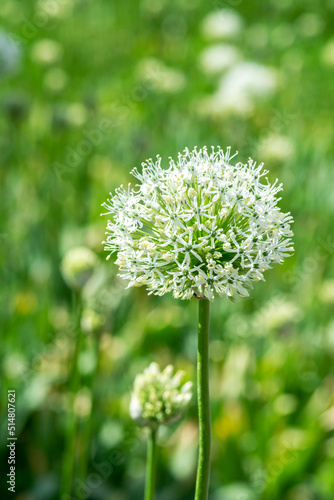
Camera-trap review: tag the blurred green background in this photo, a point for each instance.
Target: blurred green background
(89, 90)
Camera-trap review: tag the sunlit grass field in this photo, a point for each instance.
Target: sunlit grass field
(89, 90)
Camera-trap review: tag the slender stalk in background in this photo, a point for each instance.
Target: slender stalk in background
(203, 397)
(86, 426)
(151, 465)
(68, 464)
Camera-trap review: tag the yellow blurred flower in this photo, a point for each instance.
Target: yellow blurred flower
(25, 302)
(231, 423)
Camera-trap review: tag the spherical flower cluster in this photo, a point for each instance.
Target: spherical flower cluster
(159, 397)
(202, 227)
(77, 266)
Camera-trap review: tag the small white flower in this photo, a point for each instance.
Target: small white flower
(207, 227)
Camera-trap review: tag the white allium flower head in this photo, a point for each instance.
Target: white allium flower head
(159, 397)
(202, 227)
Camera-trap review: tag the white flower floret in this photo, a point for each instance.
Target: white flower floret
(207, 227)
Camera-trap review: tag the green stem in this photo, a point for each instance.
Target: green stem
(86, 425)
(151, 465)
(68, 465)
(203, 397)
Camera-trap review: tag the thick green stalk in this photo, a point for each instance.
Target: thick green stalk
(203, 397)
(151, 465)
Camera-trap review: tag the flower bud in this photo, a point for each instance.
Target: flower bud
(77, 267)
(91, 321)
(159, 397)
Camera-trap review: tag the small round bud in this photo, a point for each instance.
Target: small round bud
(91, 321)
(159, 397)
(77, 267)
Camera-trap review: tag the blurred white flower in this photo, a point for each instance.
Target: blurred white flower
(76, 114)
(159, 397)
(91, 321)
(275, 147)
(14, 365)
(235, 368)
(77, 266)
(199, 228)
(216, 58)
(240, 87)
(276, 313)
(46, 52)
(234, 491)
(223, 24)
(10, 55)
(155, 75)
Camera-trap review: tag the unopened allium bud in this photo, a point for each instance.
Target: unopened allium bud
(159, 397)
(77, 267)
(201, 205)
(91, 321)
